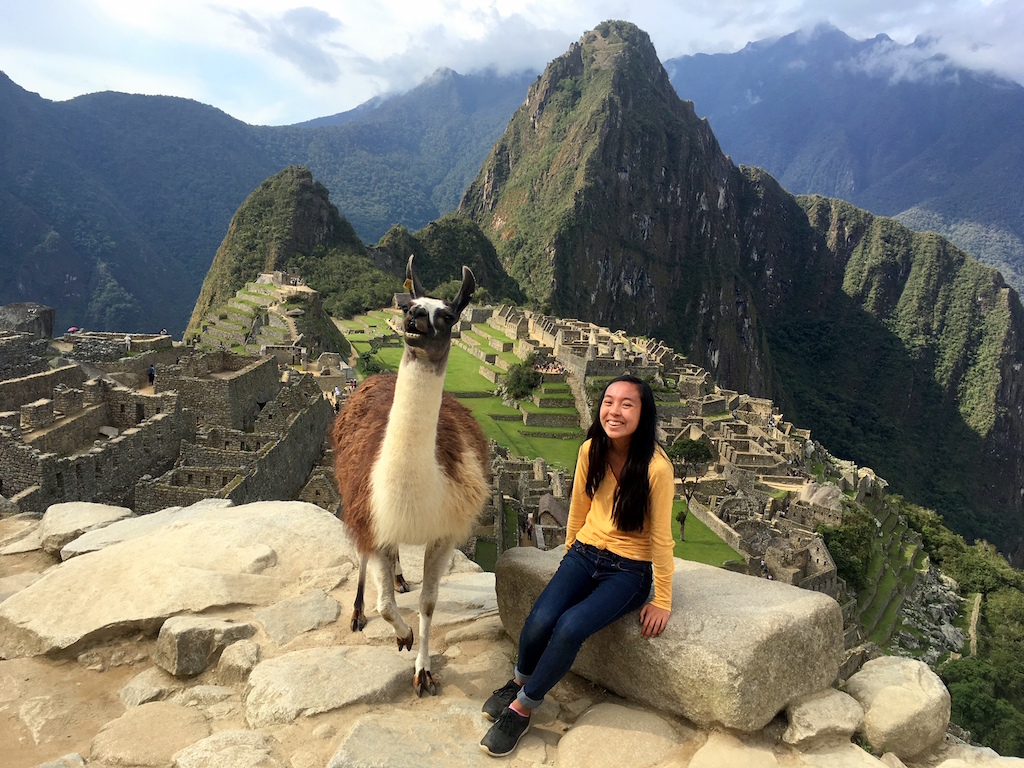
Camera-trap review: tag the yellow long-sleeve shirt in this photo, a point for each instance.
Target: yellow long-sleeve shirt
(590, 521)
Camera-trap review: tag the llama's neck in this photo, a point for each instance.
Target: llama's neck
(412, 424)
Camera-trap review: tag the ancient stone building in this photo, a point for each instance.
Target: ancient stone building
(88, 444)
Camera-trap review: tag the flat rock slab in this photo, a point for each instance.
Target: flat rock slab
(253, 554)
(134, 527)
(168, 728)
(611, 736)
(422, 739)
(316, 680)
(15, 528)
(289, 618)
(723, 750)
(737, 650)
(229, 749)
(70, 519)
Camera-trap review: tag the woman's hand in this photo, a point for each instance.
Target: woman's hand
(653, 620)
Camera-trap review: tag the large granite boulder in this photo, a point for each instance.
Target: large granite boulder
(737, 650)
(906, 706)
(254, 554)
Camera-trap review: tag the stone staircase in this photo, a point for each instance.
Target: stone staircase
(248, 321)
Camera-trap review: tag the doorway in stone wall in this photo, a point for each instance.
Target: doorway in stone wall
(140, 412)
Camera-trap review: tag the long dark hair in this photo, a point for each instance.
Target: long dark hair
(631, 497)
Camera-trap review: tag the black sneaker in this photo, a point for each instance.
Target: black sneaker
(505, 734)
(500, 699)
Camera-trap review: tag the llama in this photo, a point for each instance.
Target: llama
(412, 466)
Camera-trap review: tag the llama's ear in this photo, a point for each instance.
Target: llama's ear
(466, 291)
(412, 283)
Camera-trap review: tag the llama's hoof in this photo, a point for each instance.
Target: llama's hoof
(424, 681)
(401, 585)
(358, 622)
(404, 643)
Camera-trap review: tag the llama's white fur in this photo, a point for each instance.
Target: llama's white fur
(417, 503)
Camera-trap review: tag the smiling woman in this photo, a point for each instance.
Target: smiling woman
(618, 542)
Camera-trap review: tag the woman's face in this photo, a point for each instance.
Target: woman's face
(620, 410)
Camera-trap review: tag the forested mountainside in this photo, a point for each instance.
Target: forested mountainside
(114, 205)
(886, 126)
(609, 200)
(289, 223)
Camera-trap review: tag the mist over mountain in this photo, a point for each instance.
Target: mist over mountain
(889, 127)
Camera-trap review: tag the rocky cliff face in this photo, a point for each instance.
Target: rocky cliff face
(609, 200)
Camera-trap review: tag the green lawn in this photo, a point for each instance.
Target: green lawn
(702, 545)
(484, 329)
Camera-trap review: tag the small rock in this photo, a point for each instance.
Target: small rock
(822, 717)
(237, 661)
(186, 644)
(152, 685)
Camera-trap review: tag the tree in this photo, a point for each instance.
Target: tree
(522, 379)
(688, 455)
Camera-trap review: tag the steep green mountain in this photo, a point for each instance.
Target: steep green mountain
(441, 248)
(287, 215)
(289, 223)
(609, 200)
(886, 126)
(113, 205)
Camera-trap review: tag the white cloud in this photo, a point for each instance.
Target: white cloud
(277, 61)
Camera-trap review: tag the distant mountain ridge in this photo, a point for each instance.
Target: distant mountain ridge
(889, 127)
(114, 205)
(609, 200)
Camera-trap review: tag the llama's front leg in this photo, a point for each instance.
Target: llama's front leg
(358, 608)
(435, 561)
(386, 605)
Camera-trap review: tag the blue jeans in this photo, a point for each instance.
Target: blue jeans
(591, 589)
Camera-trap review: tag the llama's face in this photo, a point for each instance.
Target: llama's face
(427, 326)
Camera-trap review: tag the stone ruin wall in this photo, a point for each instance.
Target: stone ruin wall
(18, 391)
(104, 473)
(272, 462)
(21, 354)
(231, 401)
(108, 347)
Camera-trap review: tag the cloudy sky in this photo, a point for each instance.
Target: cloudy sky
(274, 62)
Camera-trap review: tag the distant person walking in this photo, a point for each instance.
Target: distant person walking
(152, 375)
(618, 540)
(128, 342)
